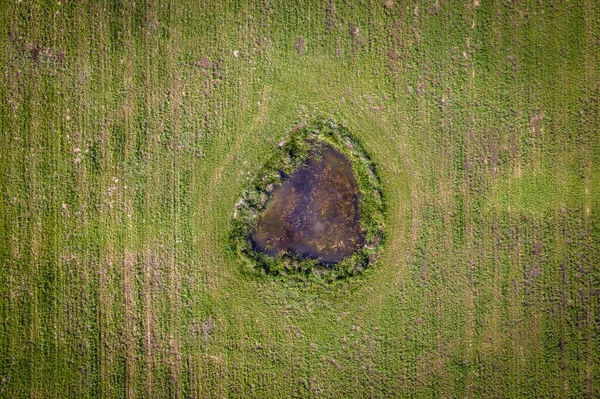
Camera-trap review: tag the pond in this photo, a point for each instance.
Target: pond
(315, 213)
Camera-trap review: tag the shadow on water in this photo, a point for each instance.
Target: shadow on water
(315, 212)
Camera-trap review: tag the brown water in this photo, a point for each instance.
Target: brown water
(315, 213)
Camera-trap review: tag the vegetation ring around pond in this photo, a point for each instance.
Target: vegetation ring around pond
(352, 189)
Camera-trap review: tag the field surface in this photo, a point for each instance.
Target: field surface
(129, 129)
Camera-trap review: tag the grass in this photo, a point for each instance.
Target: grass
(128, 130)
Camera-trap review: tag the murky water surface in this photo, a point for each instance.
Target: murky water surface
(315, 213)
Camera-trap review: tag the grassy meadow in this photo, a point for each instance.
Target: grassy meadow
(128, 130)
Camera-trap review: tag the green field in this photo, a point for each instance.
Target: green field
(129, 130)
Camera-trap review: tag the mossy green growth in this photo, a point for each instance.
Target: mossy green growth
(293, 153)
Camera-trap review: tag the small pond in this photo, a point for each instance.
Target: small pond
(315, 213)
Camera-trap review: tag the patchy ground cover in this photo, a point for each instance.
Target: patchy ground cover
(129, 130)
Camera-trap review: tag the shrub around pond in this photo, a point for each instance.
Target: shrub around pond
(315, 207)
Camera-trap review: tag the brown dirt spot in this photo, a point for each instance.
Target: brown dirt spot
(38, 53)
(392, 54)
(203, 63)
(330, 20)
(34, 52)
(535, 122)
(300, 46)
